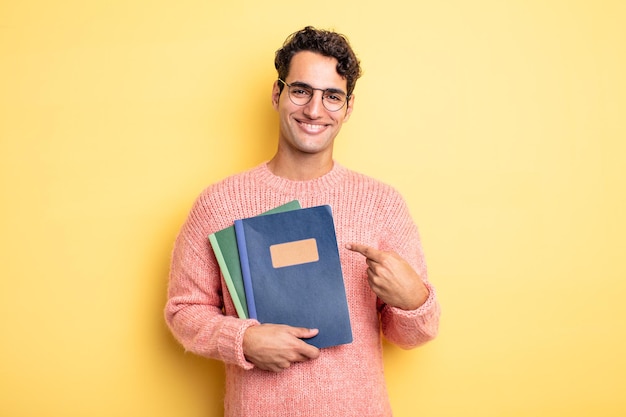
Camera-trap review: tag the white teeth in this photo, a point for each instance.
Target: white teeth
(312, 127)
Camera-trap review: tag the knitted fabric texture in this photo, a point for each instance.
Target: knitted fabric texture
(345, 380)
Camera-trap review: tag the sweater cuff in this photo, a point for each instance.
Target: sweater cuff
(230, 343)
(423, 310)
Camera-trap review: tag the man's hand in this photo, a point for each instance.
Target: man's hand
(274, 347)
(393, 280)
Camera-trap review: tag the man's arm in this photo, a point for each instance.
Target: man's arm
(194, 307)
(194, 311)
(409, 308)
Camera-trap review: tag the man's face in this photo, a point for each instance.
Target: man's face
(310, 128)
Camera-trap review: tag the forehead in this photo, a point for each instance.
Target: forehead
(316, 70)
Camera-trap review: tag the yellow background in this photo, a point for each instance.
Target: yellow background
(502, 122)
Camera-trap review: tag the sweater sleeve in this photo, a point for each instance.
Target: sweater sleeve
(408, 329)
(194, 309)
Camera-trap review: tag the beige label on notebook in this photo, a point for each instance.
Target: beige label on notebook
(294, 253)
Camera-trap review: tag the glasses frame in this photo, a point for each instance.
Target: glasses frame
(324, 91)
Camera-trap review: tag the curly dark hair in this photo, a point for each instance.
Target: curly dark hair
(327, 43)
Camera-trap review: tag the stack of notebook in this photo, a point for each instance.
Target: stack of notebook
(283, 267)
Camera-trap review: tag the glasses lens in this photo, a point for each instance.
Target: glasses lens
(300, 95)
(333, 100)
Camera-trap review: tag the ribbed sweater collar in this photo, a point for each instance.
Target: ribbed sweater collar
(327, 181)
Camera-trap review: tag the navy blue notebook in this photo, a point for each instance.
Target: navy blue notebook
(292, 273)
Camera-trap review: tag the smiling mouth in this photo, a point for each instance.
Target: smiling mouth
(312, 127)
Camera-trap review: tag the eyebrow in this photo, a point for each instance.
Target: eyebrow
(330, 90)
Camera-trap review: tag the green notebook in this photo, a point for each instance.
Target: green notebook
(224, 244)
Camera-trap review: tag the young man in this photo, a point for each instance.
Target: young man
(270, 369)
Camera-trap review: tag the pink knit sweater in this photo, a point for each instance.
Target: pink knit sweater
(343, 381)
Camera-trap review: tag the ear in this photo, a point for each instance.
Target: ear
(349, 108)
(275, 95)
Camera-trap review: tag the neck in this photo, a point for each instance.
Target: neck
(300, 169)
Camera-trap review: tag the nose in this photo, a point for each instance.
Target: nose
(315, 107)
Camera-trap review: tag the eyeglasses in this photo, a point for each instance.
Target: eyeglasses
(301, 94)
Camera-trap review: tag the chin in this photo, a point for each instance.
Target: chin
(313, 149)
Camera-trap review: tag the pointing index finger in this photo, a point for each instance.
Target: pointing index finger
(364, 250)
